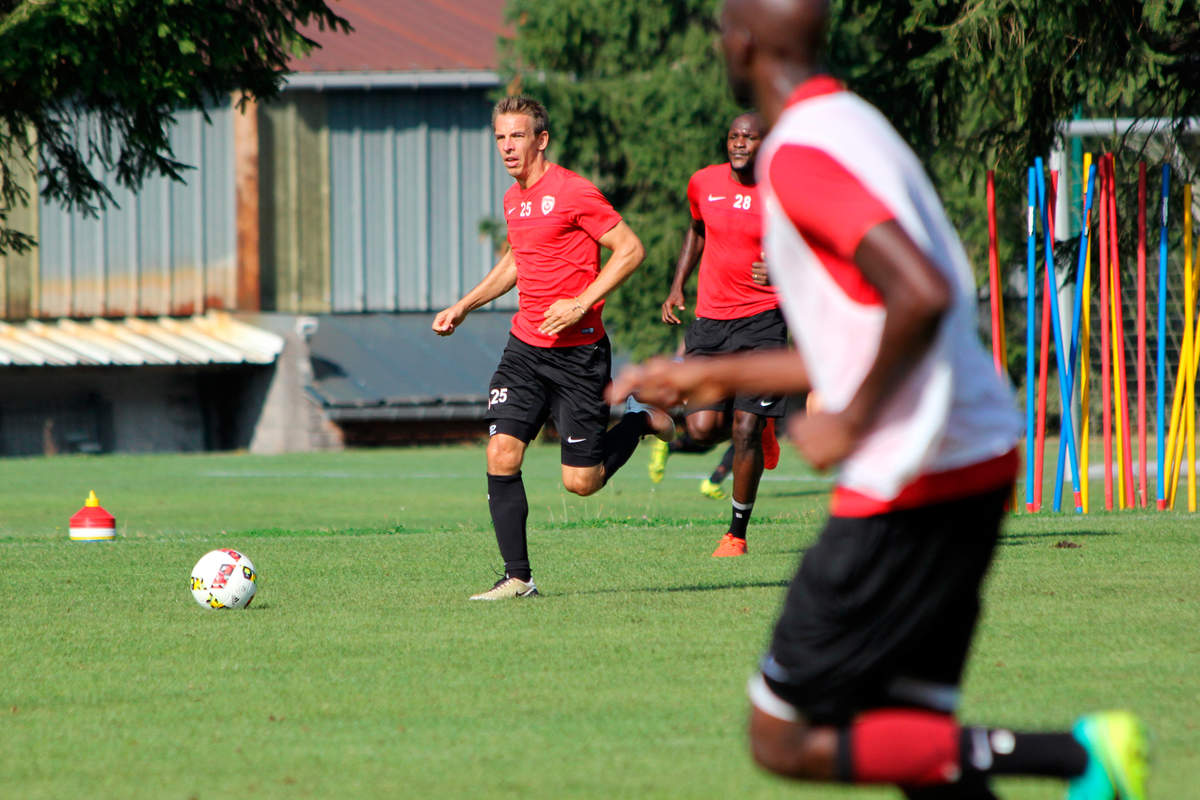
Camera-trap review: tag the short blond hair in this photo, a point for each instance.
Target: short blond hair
(520, 104)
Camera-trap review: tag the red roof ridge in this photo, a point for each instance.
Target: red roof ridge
(398, 29)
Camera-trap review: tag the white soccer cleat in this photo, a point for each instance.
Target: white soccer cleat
(506, 588)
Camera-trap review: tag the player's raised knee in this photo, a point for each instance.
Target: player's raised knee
(583, 483)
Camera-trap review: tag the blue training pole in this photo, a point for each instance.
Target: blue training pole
(1160, 377)
(1067, 426)
(1030, 339)
(1075, 319)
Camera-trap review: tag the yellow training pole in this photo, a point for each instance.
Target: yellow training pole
(1191, 377)
(1175, 442)
(1085, 353)
(1185, 383)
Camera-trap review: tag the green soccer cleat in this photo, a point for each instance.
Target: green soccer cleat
(1118, 752)
(712, 490)
(658, 460)
(508, 588)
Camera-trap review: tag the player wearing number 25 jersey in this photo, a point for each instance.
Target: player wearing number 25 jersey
(557, 361)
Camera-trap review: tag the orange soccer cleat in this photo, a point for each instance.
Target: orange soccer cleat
(730, 545)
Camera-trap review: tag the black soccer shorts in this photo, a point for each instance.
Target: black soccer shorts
(531, 383)
(882, 610)
(763, 331)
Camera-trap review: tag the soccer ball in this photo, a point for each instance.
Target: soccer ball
(224, 579)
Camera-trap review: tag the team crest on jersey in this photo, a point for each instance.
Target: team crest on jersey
(547, 203)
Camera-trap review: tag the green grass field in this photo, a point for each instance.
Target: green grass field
(361, 671)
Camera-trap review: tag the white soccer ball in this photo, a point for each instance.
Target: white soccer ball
(224, 579)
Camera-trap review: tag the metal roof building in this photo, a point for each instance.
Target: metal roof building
(365, 189)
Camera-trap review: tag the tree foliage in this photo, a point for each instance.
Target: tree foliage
(89, 87)
(637, 98)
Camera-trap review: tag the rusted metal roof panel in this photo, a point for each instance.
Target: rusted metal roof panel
(409, 35)
(212, 338)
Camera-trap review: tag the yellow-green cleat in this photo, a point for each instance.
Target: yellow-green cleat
(1118, 757)
(712, 490)
(658, 460)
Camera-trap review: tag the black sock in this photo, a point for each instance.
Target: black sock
(996, 751)
(741, 519)
(723, 468)
(510, 509)
(622, 439)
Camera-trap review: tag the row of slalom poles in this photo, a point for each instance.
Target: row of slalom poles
(1172, 440)
(1067, 378)
(1185, 386)
(1067, 431)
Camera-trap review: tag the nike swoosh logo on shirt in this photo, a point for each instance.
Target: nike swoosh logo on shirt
(509, 211)
(573, 440)
(712, 198)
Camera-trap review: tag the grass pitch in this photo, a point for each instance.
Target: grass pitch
(362, 671)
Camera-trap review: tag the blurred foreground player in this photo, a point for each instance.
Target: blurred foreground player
(861, 680)
(557, 360)
(734, 313)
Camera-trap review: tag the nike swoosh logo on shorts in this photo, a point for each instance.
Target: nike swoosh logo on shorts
(713, 198)
(766, 403)
(573, 440)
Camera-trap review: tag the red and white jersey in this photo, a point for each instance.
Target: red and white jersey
(554, 228)
(732, 221)
(830, 170)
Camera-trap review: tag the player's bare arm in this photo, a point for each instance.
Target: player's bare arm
(627, 255)
(689, 257)
(500, 280)
(702, 381)
(916, 296)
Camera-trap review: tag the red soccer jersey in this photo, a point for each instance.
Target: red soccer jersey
(732, 243)
(554, 228)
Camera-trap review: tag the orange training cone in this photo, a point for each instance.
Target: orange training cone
(92, 523)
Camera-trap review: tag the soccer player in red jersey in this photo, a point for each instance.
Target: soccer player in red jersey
(861, 680)
(557, 360)
(734, 313)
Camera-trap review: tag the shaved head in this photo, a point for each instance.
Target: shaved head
(771, 46)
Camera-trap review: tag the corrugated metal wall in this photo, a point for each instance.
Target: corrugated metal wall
(170, 249)
(412, 176)
(369, 201)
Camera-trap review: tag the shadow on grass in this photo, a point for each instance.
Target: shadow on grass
(709, 587)
(796, 493)
(1014, 539)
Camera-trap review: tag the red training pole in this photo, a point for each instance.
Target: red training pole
(1039, 456)
(994, 276)
(1141, 332)
(1114, 263)
(1105, 362)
